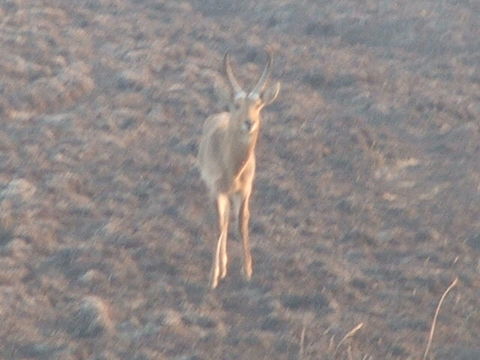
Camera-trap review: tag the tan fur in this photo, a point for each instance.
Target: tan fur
(226, 159)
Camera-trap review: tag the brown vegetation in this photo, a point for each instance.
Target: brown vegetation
(366, 199)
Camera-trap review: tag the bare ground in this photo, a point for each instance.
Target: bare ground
(366, 203)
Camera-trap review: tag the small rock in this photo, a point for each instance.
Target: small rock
(171, 318)
(131, 81)
(92, 276)
(90, 318)
(19, 187)
(17, 246)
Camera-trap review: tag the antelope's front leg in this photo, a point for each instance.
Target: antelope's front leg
(220, 260)
(243, 221)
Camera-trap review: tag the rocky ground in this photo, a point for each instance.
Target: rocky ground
(366, 203)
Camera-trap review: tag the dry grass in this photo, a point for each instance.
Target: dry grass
(366, 202)
(434, 321)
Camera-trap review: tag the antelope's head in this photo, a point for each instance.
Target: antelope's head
(245, 107)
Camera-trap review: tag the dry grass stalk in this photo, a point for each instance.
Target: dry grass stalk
(301, 351)
(434, 322)
(350, 334)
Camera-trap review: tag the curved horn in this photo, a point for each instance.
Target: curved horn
(231, 78)
(263, 78)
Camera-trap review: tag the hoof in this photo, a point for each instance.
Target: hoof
(214, 279)
(213, 284)
(247, 274)
(223, 275)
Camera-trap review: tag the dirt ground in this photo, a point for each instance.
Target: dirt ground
(366, 203)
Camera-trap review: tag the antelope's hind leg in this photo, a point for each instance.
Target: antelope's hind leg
(223, 246)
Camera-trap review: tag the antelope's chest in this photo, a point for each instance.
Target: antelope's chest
(245, 175)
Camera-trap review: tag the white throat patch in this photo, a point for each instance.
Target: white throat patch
(240, 95)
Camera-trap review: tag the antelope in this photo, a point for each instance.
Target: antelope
(226, 158)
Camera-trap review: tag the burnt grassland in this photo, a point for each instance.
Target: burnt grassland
(366, 203)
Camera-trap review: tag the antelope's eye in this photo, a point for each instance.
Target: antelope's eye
(247, 125)
(237, 105)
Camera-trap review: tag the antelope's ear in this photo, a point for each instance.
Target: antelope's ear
(270, 94)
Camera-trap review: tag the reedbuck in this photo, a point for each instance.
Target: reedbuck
(227, 161)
